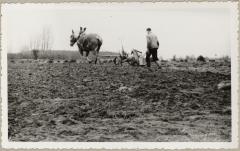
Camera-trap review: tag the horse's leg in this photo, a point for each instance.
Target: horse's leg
(95, 54)
(81, 52)
(80, 49)
(87, 53)
(96, 57)
(97, 50)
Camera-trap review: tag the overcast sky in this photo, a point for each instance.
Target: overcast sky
(182, 28)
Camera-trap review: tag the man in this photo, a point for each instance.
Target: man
(152, 47)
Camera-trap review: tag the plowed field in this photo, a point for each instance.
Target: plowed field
(85, 102)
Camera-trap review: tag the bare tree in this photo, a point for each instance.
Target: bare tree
(35, 43)
(43, 41)
(46, 39)
(34, 47)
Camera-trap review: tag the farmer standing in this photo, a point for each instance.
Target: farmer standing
(152, 47)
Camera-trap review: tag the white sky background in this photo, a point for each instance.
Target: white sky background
(182, 28)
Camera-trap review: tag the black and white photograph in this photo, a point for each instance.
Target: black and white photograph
(120, 75)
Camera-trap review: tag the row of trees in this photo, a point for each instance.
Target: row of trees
(43, 41)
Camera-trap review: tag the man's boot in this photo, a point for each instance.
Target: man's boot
(158, 64)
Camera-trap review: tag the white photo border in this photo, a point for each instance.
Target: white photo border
(5, 143)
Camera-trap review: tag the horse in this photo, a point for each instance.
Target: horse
(87, 43)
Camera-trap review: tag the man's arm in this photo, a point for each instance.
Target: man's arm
(148, 42)
(157, 40)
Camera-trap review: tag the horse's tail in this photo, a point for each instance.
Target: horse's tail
(100, 41)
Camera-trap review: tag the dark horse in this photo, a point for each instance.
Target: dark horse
(87, 43)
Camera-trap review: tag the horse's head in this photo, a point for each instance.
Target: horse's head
(73, 39)
(82, 31)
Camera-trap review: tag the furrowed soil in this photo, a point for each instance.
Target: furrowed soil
(85, 102)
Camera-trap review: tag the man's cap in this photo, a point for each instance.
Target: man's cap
(148, 29)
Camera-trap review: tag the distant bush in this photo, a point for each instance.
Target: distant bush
(225, 59)
(201, 58)
(184, 59)
(35, 53)
(211, 60)
(181, 60)
(190, 59)
(174, 58)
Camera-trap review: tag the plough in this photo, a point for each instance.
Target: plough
(136, 58)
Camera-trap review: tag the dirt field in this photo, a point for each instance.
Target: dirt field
(82, 102)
